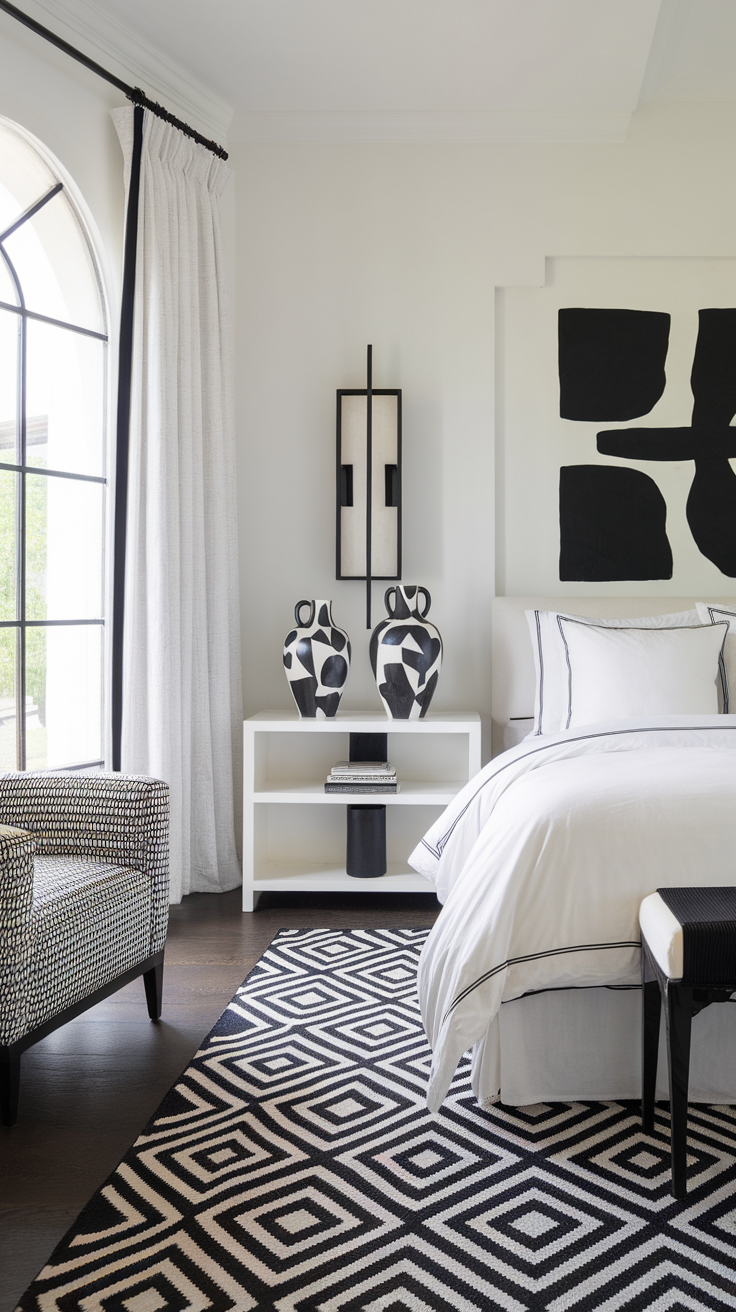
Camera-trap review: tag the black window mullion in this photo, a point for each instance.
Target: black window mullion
(45, 318)
(32, 209)
(52, 473)
(50, 624)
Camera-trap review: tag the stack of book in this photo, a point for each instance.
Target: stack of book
(362, 777)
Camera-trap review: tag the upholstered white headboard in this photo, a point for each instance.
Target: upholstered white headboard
(512, 663)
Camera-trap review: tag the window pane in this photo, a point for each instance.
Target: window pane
(25, 176)
(64, 548)
(52, 260)
(9, 347)
(65, 400)
(8, 507)
(8, 290)
(8, 754)
(63, 696)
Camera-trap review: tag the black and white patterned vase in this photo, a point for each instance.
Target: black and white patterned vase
(406, 654)
(317, 661)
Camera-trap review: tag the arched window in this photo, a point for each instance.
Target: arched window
(53, 404)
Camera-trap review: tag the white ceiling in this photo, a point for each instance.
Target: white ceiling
(420, 69)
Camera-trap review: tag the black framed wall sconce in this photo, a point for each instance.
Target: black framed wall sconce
(369, 483)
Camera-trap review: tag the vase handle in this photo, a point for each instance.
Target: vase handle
(297, 608)
(424, 613)
(390, 592)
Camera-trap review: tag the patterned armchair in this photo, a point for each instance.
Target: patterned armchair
(84, 902)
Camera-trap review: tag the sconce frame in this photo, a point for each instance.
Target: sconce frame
(392, 483)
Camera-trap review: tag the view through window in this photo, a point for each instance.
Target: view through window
(53, 364)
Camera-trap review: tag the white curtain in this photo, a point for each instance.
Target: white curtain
(182, 698)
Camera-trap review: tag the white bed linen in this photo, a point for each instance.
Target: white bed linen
(584, 1045)
(543, 859)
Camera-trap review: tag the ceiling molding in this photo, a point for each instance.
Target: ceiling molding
(456, 128)
(132, 59)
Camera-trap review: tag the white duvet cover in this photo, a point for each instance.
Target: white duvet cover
(541, 862)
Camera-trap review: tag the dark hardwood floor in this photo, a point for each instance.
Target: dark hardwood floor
(88, 1089)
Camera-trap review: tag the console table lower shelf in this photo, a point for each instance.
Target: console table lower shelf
(291, 878)
(299, 839)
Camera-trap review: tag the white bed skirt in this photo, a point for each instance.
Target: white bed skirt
(584, 1044)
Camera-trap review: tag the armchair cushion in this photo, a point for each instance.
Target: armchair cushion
(91, 922)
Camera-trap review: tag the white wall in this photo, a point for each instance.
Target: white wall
(338, 248)
(403, 246)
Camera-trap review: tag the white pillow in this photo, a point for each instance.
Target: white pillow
(711, 612)
(627, 674)
(552, 695)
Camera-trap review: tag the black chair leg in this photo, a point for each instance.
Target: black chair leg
(9, 1084)
(153, 980)
(679, 1025)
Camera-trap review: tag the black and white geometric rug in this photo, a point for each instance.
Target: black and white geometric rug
(294, 1168)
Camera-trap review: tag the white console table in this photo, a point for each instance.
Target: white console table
(294, 833)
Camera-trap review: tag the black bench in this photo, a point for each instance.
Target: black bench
(688, 959)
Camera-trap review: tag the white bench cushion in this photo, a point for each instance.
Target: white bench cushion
(663, 932)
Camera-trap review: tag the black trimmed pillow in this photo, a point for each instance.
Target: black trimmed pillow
(629, 673)
(551, 693)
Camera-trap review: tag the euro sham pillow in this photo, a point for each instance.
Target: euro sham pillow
(630, 673)
(551, 700)
(711, 612)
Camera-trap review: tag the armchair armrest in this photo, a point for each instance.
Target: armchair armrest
(113, 817)
(17, 849)
(16, 902)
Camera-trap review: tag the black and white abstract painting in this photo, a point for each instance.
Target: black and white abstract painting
(616, 431)
(612, 367)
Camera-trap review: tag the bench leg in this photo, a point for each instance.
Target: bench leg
(153, 980)
(9, 1084)
(679, 1025)
(651, 1007)
(651, 1010)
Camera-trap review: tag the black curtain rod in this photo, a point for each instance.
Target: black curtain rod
(135, 94)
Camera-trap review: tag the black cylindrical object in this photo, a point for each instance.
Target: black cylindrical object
(366, 857)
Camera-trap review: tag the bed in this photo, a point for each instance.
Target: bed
(542, 861)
